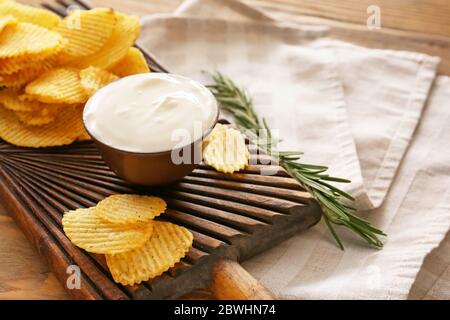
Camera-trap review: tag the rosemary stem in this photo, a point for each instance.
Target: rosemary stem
(311, 177)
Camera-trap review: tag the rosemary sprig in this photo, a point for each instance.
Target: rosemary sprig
(313, 178)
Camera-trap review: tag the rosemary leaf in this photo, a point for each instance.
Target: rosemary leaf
(311, 177)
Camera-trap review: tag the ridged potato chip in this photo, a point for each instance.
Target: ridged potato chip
(61, 85)
(40, 62)
(48, 64)
(7, 21)
(24, 13)
(37, 117)
(84, 136)
(27, 74)
(93, 78)
(25, 39)
(124, 35)
(86, 30)
(64, 130)
(130, 208)
(86, 230)
(167, 245)
(9, 98)
(225, 150)
(133, 63)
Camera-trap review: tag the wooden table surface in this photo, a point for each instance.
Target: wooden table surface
(422, 26)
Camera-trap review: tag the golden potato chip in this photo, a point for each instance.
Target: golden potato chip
(6, 21)
(86, 230)
(84, 136)
(225, 150)
(9, 98)
(167, 245)
(93, 78)
(62, 131)
(124, 35)
(86, 30)
(24, 13)
(133, 63)
(21, 77)
(41, 62)
(25, 39)
(130, 208)
(57, 86)
(37, 118)
(27, 74)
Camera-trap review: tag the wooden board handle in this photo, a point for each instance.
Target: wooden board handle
(232, 282)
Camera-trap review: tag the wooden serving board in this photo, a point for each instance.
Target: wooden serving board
(232, 217)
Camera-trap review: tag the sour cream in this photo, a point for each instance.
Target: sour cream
(150, 112)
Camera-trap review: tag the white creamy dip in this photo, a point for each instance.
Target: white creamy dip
(141, 113)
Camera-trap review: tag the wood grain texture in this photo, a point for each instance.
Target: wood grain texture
(225, 286)
(23, 273)
(431, 16)
(385, 38)
(422, 26)
(39, 185)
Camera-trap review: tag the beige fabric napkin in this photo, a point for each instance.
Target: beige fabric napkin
(351, 108)
(364, 144)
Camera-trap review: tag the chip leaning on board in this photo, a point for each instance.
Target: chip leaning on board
(49, 67)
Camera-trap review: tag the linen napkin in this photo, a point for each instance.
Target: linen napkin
(349, 107)
(313, 81)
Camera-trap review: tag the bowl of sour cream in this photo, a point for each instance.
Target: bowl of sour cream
(149, 128)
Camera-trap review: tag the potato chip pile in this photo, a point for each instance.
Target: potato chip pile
(225, 149)
(136, 247)
(49, 67)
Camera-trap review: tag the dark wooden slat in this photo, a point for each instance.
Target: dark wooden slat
(104, 180)
(65, 4)
(264, 215)
(97, 190)
(53, 206)
(69, 155)
(58, 10)
(67, 200)
(91, 191)
(274, 181)
(205, 242)
(288, 194)
(100, 165)
(82, 4)
(212, 214)
(274, 204)
(207, 227)
(195, 254)
(71, 166)
(253, 169)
